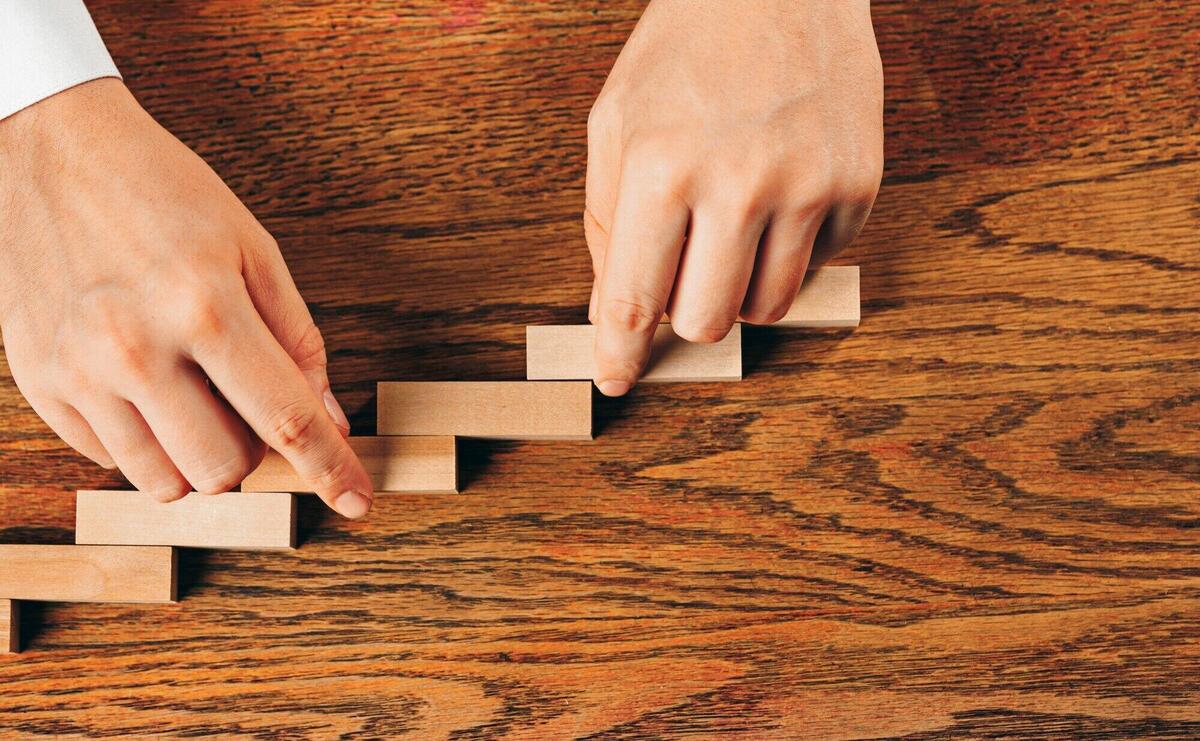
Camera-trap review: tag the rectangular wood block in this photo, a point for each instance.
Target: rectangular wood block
(566, 352)
(396, 464)
(87, 573)
(828, 298)
(502, 410)
(236, 520)
(10, 627)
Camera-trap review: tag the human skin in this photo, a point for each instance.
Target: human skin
(151, 321)
(148, 317)
(734, 146)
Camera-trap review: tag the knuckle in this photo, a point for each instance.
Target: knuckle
(309, 349)
(599, 116)
(128, 349)
(293, 427)
(635, 313)
(332, 473)
(745, 214)
(862, 193)
(201, 312)
(115, 331)
(656, 170)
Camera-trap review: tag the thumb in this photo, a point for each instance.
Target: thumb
(278, 301)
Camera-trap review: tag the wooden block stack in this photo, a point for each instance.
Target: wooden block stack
(829, 299)
(125, 541)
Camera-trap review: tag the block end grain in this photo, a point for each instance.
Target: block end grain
(10, 626)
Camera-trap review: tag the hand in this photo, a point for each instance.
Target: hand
(734, 145)
(148, 317)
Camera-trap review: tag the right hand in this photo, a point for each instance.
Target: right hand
(148, 317)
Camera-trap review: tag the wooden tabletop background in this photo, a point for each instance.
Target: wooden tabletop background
(976, 515)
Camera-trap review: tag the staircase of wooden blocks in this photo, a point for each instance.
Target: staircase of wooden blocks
(125, 541)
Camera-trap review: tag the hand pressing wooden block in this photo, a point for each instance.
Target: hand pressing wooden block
(236, 520)
(10, 627)
(828, 298)
(567, 352)
(503, 410)
(87, 573)
(395, 464)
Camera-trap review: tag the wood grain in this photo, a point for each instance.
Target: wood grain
(400, 463)
(975, 516)
(87, 573)
(496, 410)
(10, 626)
(566, 351)
(240, 521)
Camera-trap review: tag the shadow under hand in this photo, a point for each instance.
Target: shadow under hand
(761, 345)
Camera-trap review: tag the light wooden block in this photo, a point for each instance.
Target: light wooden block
(87, 573)
(10, 626)
(236, 520)
(503, 410)
(396, 464)
(566, 352)
(828, 298)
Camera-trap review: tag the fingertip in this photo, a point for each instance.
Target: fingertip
(170, 494)
(352, 504)
(613, 387)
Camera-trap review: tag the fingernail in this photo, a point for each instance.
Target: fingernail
(614, 388)
(335, 411)
(352, 504)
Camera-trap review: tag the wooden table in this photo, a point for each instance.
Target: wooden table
(976, 515)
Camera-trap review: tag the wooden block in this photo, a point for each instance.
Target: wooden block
(396, 464)
(828, 298)
(503, 410)
(10, 627)
(566, 352)
(259, 521)
(87, 573)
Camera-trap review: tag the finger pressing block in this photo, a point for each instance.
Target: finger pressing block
(395, 464)
(562, 352)
(259, 521)
(10, 627)
(829, 297)
(87, 573)
(502, 410)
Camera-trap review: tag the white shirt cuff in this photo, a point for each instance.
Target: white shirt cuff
(47, 46)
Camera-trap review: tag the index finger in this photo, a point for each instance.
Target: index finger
(649, 227)
(264, 385)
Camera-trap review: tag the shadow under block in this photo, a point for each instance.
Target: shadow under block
(828, 298)
(396, 464)
(10, 627)
(87, 573)
(500, 410)
(235, 520)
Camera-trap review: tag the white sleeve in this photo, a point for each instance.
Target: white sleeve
(47, 46)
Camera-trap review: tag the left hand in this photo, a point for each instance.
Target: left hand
(733, 146)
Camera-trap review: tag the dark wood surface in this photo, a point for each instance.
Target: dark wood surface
(976, 515)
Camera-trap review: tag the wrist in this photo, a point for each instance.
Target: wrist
(43, 126)
(40, 138)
